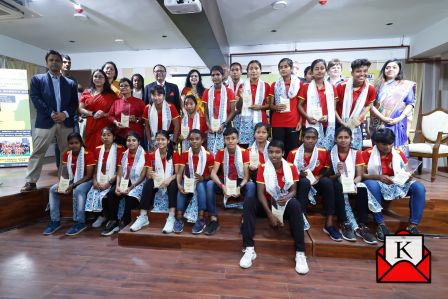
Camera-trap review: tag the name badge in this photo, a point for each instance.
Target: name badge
(63, 185)
(102, 179)
(287, 103)
(184, 131)
(124, 183)
(188, 184)
(124, 120)
(158, 179)
(348, 186)
(232, 188)
(310, 176)
(317, 113)
(215, 124)
(254, 159)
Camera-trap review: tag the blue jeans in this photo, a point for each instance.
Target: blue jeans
(417, 193)
(79, 202)
(200, 194)
(248, 191)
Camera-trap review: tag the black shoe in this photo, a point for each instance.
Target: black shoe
(212, 228)
(365, 235)
(412, 229)
(347, 232)
(111, 228)
(28, 187)
(382, 231)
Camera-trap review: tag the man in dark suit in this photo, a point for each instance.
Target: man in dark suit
(56, 100)
(171, 90)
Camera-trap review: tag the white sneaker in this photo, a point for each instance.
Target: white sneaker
(139, 223)
(248, 257)
(301, 265)
(169, 225)
(99, 222)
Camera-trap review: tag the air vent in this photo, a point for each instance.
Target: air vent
(13, 10)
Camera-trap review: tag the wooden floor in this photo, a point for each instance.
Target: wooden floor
(88, 266)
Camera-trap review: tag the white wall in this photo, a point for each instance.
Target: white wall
(19, 50)
(431, 41)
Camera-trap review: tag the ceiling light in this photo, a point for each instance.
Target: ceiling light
(279, 4)
(119, 41)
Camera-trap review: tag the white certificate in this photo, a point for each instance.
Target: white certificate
(310, 176)
(278, 213)
(353, 123)
(348, 185)
(124, 183)
(254, 159)
(63, 185)
(401, 177)
(188, 184)
(102, 179)
(287, 103)
(247, 100)
(158, 179)
(124, 120)
(316, 113)
(215, 124)
(184, 131)
(232, 188)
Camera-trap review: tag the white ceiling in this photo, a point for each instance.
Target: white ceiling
(250, 22)
(141, 23)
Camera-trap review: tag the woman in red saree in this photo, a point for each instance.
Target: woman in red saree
(95, 103)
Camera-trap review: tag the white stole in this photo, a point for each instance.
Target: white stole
(259, 97)
(271, 180)
(111, 163)
(348, 101)
(79, 171)
(137, 166)
(202, 161)
(238, 161)
(168, 170)
(374, 164)
(154, 118)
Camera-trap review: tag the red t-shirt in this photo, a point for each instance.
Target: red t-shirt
(386, 161)
(202, 123)
(89, 160)
(320, 163)
(131, 158)
(267, 92)
(286, 119)
(208, 163)
(217, 100)
(174, 116)
(371, 95)
(358, 160)
(120, 150)
(280, 175)
(151, 158)
(233, 174)
(303, 95)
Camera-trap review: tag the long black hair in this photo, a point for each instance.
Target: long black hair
(400, 73)
(143, 83)
(75, 135)
(106, 86)
(200, 88)
(170, 147)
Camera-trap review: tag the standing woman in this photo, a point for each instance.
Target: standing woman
(131, 166)
(111, 71)
(128, 106)
(254, 101)
(285, 119)
(193, 86)
(317, 105)
(394, 104)
(137, 86)
(160, 116)
(347, 164)
(162, 167)
(95, 103)
(105, 174)
(192, 119)
(258, 151)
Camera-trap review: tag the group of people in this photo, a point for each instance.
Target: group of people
(269, 149)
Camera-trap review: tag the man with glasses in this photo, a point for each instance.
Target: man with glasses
(171, 90)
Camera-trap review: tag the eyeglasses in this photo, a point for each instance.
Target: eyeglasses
(125, 86)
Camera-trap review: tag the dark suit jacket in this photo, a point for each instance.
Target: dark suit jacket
(43, 98)
(172, 94)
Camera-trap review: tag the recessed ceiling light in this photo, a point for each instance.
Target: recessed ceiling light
(71, 41)
(119, 41)
(164, 36)
(273, 30)
(279, 4)
(388, 24)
